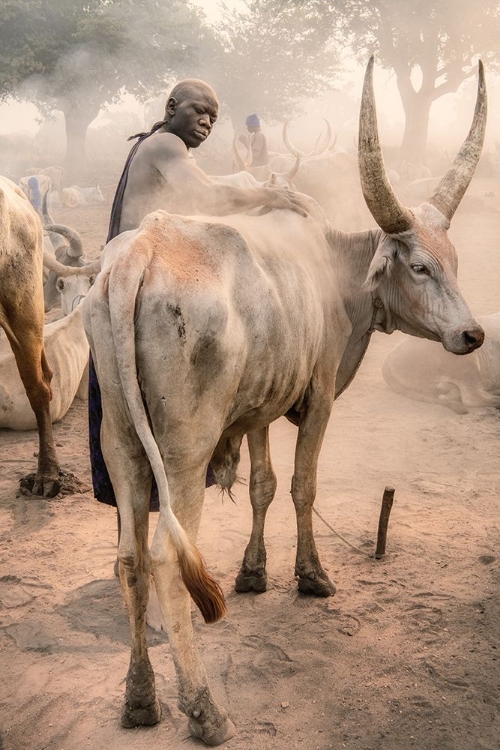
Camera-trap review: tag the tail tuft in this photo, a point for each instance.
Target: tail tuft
(204, 590)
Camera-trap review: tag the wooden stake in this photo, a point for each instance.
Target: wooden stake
(383, 522)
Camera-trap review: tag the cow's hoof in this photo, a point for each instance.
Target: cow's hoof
(50, 488)
(30, 485)
(246, 582)
(141, 716)
(316, 586)
(223, 734)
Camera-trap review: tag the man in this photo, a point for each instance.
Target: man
(257, 141)
(159, 173)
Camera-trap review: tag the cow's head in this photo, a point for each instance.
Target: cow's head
(73, 289)
(414, 269)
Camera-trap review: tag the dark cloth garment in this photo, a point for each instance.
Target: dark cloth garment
(103, 489)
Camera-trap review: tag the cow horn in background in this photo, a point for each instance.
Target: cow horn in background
(329, 141)
(455, 182)
(288, 143)
(333, 139)
(388, 212)
(75, 249)
(53, 265)
(288, 176)
(47, 218)
(240, 162)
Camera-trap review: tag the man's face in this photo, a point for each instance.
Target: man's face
(193, 117)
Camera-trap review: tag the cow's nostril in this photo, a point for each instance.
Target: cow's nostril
(474, 337)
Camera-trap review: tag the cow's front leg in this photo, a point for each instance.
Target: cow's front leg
(313, 422)
(252, 575)
(207, 719)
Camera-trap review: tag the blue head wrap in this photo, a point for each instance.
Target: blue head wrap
(252, 121)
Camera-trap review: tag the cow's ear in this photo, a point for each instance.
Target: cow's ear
(382, 263)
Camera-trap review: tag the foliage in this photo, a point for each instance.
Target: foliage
(273, 54)
(64, 53)
(432, 45)
(441, 37)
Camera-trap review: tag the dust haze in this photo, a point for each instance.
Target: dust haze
(405, 655)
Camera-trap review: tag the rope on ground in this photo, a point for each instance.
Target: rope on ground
(361, 551)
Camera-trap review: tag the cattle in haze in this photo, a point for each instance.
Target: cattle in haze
(424, 371)
(67, 351)
(203, 330)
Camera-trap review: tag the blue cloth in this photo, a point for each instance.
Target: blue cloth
(252, 121)
(35, 195)
(103, 489)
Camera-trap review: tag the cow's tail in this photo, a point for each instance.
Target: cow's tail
(125, 279)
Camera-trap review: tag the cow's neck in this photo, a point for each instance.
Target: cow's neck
(353, 255)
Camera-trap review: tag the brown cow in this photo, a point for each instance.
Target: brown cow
(22, 318)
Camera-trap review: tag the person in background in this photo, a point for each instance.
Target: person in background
(257, 142)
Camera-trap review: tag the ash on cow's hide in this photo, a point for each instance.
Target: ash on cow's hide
(69, 484)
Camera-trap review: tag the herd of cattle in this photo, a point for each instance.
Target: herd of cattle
(204, 330)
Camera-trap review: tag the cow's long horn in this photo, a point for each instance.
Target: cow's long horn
(388, 212)
(61, 270)
(329, 141)
(455, 182)
(75, 249)
(240, 162)
(47, 218)
(286, 140)
(288, 176)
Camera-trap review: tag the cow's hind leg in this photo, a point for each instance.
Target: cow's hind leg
(308, 569)
(130, 474)
(207, 719)
(141, 707)
(252, 575)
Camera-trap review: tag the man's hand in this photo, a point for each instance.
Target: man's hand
(284, 198)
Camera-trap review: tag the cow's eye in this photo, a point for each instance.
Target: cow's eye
(420, 269)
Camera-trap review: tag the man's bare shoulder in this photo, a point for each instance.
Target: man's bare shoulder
(166, 144)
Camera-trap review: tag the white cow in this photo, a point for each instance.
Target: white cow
(66, 348)
(67, 351)
(74, 196)
(204, 330)
(56, 175)
(424, 371)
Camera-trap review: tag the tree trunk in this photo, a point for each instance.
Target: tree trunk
(414, 144)
(417, 105)
(77, 122)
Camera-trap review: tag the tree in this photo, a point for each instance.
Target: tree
(77, 56)
(432, 45)
(272, 54)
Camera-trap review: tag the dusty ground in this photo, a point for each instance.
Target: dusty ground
(405, 655)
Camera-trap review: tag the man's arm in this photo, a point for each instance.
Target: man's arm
(170, 158)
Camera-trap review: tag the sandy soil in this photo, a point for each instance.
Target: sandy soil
(405, 655)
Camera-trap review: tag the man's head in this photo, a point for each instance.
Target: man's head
(253, 123)
(191, 111)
